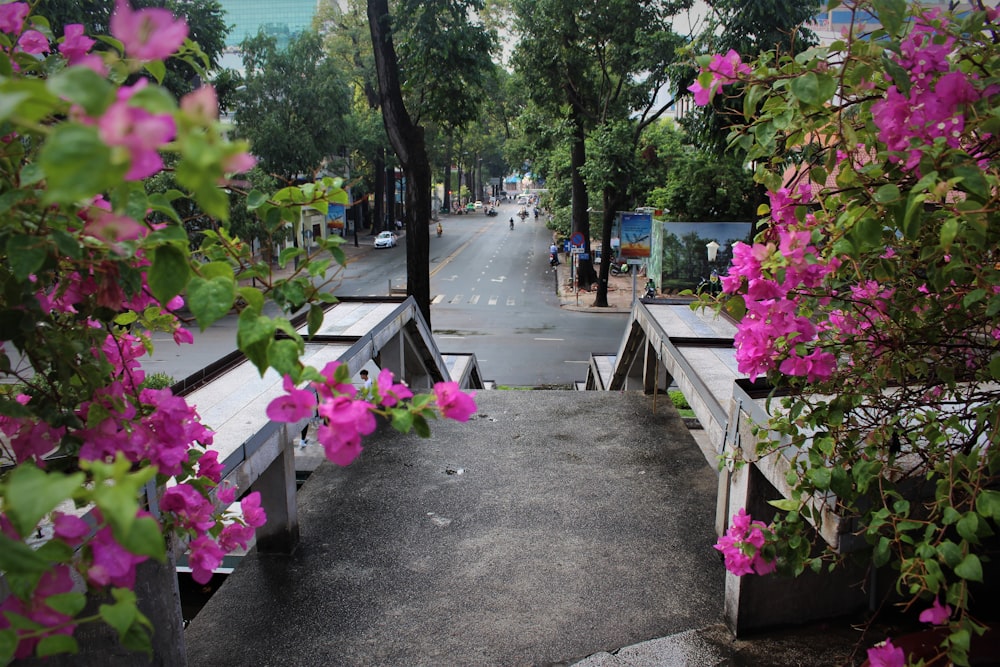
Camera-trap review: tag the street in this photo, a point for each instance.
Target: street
(492, 293)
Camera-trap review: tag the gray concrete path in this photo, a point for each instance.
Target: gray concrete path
(550, 527)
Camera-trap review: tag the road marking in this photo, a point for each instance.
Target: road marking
(493, 300)
(511, 301)
(456, 299)
(574, 361)
(438, 299)
(453, 337)
(556, 340)
(474, 299)
(498, 280)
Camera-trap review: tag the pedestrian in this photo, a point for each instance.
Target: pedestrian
(365, 380)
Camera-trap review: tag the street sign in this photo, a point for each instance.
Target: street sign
(576, 239)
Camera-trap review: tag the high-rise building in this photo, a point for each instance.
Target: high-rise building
(281, 19)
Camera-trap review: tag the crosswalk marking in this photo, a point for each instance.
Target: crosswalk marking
(459, 299)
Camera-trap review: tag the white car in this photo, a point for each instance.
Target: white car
(385, 240)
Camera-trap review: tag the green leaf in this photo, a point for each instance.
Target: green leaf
(970, 568)
(420, 426)
(253, 297)
(949, 230)
(988, 504)
(913, 218)
(887, 193)
(973, 297)
(31, 174)
(254, 334)
(32, 493)
(968, 527)
(972, 181)
(119, 505)
(70, 604)
(402, 420)
(169, 273)
(120, 615)
(77, 164)
(950, 553)
(16, 557)
(210, 300)
(882, 552)
(995, 367)
(84, 87)
(25, 255)
(812, 88)
(157, 68)
(8, 644)
(56, 644)
(891, 13)
(256, 199)
(315, 319)
(784, 504)
(283, 356)
(145, 539)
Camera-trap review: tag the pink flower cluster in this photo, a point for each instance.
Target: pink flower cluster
(346, 416)
(742, 546)
(55, 581)
(724, 70)
(934, 106)
(885, 654)
(768, 275)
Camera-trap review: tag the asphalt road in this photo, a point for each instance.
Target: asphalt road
(492, 293)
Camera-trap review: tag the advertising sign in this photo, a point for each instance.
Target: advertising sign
(336, 218)
(636, 234)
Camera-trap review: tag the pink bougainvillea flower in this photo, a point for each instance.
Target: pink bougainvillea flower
(345, 420)
(332, 387)
(253, 515)
(728, 66)
(75, 45)
(936, 614)
(147, 34)
(33, 42)
(12, 17)
(886, 655)
(54, 581)
(192, 509)
(209, 466)
(702, 95)
(742, 544)
(226, 495)
(111, 227)
(112, 564)
(391, 393)
(201, 104)
(204, 557)
(293, 406)
(69, 528)
(238, 163)
(453, 402)
(235, 536)
(138, 131)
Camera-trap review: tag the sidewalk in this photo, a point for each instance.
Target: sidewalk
(620, 296)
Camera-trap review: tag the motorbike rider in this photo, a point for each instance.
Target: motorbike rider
(650, 289)
(440, 229)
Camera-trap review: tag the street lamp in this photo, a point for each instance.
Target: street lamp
(713, 250)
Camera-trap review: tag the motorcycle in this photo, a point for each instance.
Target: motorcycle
(440, 229)
(650, 290)
(553, 260)
(620, 268)
(491, 213)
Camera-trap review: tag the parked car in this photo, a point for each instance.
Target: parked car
(385, 240)
(478, 204)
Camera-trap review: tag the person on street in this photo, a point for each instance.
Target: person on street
(512, 223)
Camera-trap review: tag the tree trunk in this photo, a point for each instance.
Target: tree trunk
(581, 214)
(407, 140)
(446, 204)
(378, 216)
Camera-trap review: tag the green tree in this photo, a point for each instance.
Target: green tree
(602, 66)
(434, 33)
(292, 105)
(207, 30)
(706, 187)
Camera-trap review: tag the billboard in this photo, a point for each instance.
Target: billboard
(636, 234)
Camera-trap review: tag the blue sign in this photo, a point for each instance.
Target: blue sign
(637, 234)
(576, 239)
